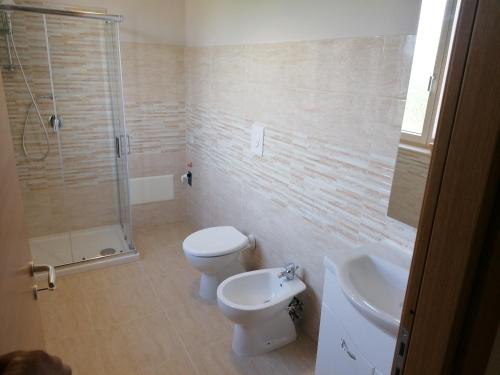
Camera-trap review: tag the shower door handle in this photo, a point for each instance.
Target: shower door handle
(119, 141)
(118, 147)
(128, 144)
(51, 277)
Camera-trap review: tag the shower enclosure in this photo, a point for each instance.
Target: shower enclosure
(63, 84)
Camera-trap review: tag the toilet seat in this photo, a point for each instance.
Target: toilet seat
(214, 242)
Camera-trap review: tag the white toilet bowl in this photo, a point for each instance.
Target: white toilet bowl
(257, 302)
(215, 253)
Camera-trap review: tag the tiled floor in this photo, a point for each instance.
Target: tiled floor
(145, 318)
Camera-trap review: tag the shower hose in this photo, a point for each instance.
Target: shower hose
(33, 105)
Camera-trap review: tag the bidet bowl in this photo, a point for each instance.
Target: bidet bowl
(254, 296)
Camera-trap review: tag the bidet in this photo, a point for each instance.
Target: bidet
(258, 303)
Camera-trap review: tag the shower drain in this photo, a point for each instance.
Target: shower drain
(107, 251)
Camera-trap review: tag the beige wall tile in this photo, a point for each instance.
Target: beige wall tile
(158, 213)
(407, 193)
(154, 87)
(333, 112)
(156, 164)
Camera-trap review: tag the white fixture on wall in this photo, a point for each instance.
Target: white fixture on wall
(257, 142)
(151, 189)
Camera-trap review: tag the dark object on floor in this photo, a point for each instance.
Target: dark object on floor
(32, 363)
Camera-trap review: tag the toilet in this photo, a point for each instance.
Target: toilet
(215, 253)
(258, 303)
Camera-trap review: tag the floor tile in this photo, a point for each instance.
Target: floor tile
(146, 318)
(199, 323)
(142, 345)
(218, 359)
(121, 303)
(110, 277)
(64, 318)
(80, 352)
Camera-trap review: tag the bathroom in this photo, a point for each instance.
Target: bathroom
(179, 160)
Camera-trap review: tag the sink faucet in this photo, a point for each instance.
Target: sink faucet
(288, 272)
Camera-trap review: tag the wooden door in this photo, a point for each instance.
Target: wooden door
(20, 324)
(451, 309)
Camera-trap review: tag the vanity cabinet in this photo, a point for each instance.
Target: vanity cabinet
(337, 353)
(348, 343)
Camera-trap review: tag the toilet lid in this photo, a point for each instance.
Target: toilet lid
(216, 241)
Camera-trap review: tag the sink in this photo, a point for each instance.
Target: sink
(376, 287)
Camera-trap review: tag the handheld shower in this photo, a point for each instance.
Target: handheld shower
(6, 28)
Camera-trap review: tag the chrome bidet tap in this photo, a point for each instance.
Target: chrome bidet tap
(288, 272)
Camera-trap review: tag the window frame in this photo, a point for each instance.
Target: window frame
(437, 79)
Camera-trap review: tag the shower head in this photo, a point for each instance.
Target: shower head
(7, 2)
(5, 20)
(6, 30)
(5, 23)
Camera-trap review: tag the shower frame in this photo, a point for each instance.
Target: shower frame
(122, 139)
(63, 12)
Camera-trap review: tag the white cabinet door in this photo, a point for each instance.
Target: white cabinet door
(336, 352)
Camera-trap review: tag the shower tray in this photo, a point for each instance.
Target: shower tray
(90, 248)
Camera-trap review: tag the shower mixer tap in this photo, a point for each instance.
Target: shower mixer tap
(56, 123)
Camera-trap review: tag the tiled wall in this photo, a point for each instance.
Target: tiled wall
(81, 191)
(410, 177)
(154, 87)
(75, 187)
(333, 112)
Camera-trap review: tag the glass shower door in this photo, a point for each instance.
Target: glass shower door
(73, 174)
(122, 140)
(28, 88)
(92, 136)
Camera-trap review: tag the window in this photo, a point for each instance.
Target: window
(435, 28)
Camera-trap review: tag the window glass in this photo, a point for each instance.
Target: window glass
(424, 59)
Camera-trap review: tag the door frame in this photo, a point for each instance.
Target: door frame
(452, 305)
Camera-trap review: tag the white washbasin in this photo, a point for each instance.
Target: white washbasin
(376, 287)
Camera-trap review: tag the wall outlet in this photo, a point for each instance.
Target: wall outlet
(257, 141)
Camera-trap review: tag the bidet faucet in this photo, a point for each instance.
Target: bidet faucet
(288, 272)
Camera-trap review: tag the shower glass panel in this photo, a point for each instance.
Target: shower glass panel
(121, 138)
(77, 199)
(38, 154)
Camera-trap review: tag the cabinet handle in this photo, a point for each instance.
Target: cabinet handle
(344, 346)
